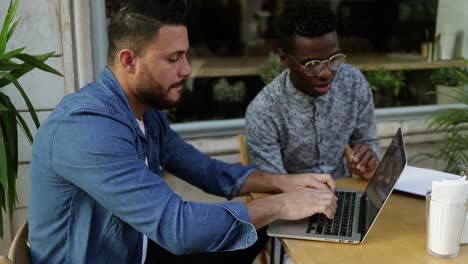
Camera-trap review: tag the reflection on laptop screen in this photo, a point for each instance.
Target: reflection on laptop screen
(384, 179)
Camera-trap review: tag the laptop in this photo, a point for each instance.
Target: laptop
(356, 211)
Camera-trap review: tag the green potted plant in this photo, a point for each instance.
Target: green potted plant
(385, 85)
(13, 65)
(271, 68)
(453, 151)
(229, 98)
(445, 79)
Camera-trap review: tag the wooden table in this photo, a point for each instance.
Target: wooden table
(398, 236)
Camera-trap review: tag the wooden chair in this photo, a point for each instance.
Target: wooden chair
(19, 250)
(244, 155)
(244, 160)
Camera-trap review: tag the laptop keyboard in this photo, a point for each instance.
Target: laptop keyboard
(342, 224)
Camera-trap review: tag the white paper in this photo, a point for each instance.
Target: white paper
(418, 181)
(450, 191)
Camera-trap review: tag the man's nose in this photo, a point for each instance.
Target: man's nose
(325, 72)
(186, 69)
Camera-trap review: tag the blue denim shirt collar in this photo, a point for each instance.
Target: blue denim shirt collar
(108, 80)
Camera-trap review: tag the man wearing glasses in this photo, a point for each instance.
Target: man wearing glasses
(304, 119)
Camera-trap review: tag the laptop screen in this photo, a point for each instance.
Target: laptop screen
(384, 179)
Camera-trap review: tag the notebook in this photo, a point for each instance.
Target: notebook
(357, 210)
(417, 181)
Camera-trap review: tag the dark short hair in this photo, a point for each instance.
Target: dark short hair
(138, 21)
(307, 18)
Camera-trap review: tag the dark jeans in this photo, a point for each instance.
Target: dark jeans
(158, 255)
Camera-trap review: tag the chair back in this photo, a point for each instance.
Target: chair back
(244, 155)
(20, 251)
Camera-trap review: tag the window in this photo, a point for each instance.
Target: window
(231, 39)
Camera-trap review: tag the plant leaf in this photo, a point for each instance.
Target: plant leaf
(24, 127)
(3, 164)
(3, 108)
(13, 28)
(12, 159)
(9, 66)
(11, 53)
(23, 94)
(10, 132)
(6, 24)
(3, 158)
(26, 68)
(37, 63)
(7, 159)
(10, 135)
(2, 203)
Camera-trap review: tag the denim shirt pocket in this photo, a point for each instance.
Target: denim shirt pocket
(158, 157)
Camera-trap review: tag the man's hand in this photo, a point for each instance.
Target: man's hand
(291, 182)
(363, 161)
(292, 205)
(260, 181)
(306, 202)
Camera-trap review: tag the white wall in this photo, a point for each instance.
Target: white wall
(454, 13)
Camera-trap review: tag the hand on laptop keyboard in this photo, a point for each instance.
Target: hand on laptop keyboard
(303, 195)
(342, 223)
(321, 181)
(306, 202)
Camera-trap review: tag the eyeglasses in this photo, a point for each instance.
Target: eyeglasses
(314, 67)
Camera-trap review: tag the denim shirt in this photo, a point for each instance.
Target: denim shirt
(93, 197)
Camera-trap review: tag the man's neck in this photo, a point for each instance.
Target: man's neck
(129, 89)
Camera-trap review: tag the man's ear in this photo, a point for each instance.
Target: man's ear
(283, 57)
(127, 59)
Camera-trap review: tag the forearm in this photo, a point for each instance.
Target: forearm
(365, 131)
(210, 175)
(260, 181)
(263, 211)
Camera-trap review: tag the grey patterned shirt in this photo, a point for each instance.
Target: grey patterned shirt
(291, 132)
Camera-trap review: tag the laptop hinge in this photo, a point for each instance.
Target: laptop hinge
(362, 213)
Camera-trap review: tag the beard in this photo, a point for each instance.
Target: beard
(158, 98)
(153, 94)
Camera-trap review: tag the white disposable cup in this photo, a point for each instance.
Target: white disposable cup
(448, 37)
(444, 227)
(464, 236)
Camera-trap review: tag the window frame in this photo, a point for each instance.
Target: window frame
(198, 129)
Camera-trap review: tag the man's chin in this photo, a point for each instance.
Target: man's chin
(168, 103)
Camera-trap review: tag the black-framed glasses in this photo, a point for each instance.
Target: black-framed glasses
(314, 67)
